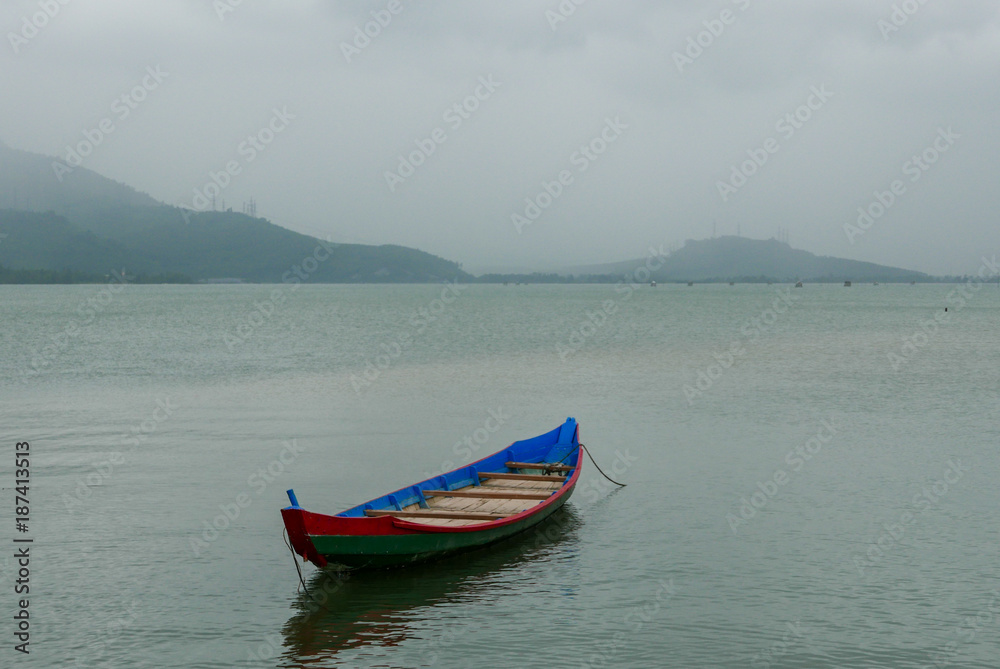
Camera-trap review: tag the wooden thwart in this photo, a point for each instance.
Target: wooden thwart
(487, 494)
(520, 477)
(434, 513)
(538, 465)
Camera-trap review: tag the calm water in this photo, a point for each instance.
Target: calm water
(803, 502)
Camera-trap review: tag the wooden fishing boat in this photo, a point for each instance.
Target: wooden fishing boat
(470, 507)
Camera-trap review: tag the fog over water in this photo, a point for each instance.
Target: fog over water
(606, 127)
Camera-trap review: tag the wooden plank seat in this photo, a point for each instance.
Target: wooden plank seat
(538, 465)
(487, 494)
(520, 477)
(434, 513)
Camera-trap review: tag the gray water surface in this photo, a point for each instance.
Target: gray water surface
(796, 496)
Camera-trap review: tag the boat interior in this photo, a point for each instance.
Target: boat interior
(500, 485)
(499, 495)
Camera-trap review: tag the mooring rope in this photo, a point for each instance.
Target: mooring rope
(302, 581)
(563, 459)
(284, 535)
(599, 468)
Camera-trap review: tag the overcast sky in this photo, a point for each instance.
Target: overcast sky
(663, 119)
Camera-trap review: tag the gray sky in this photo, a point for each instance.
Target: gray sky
(677, 127)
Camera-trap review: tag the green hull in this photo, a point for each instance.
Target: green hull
(396, 550)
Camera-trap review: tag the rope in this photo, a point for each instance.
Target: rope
(302, 581)
(578, 446)
(563, 458)
(598, 467)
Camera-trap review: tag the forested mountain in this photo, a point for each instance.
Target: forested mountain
(81, 221)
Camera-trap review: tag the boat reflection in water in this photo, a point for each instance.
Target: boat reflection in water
(385, 608)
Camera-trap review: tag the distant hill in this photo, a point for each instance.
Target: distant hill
(46, 248)
(742, 259)
(83, 224)
(213, 245)
(49, 241)
(28, 182)
(87, 223)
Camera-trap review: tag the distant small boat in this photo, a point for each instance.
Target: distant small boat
(731, 283)
(798, 284)
(875, 284)
(690, 283)
(473, 506)
(652, 284)
(847, 284)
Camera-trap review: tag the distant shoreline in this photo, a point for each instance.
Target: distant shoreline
(69, 278)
